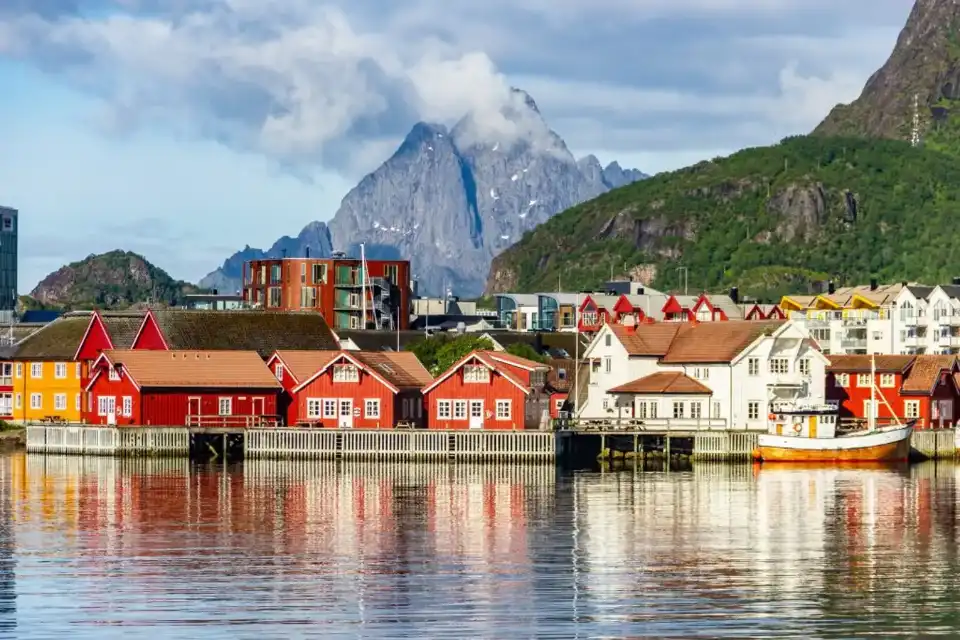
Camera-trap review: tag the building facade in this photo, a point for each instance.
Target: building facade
(334, 287)
(9, 224)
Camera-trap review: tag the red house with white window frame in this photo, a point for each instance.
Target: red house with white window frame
(624, 308)
(595, 311)
(192, 388)
(105, 331)
(923, 387)
(351, 389)
(489, 390)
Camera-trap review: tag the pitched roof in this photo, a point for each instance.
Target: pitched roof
(716, 341)
(487, 358)
(303, 364)
(726, 304)
(550, 342)
(260, 331)
(401, 368)
(122, 327)
(57, 340)
(210, 369)
(380, 340)
(664, 382)
(647, 339)
(862, 363)
(923, 375)
(517, 361)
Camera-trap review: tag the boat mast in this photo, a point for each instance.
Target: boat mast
(872, 418)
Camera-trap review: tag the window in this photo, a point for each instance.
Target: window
(642, 410)
(911, 409)
(606, 403)
(538, 379)
(594, 370)
(329, 408)
(79, 401)
(36, 370)
(303, 273)
(677, 409)
(308, 297)
(18, 401)
(225, 407)
(36, 401)
(863, 379)
(561, 374)
(273, 296)
(608, 364)
(319, 274)
(460, 410)
(314, 407)
(701, 373)
(503, 409)
(476, 373)
(346, 373)
(19, 369)
(392, 273)
(715, 413)
(60, 370)
(695, 410)
(371, 408)
(59, 402)
(653, 409)
(588, 318)
(278, 371)
(779, 366)
(753, 366)
(127, 406)
(607, 340)
(888, 380)
(753, 410)
(443, 409)
(114, 374)
(842, 379)
(558, 404)
(78, 372)
(804, 366)
(275, 274)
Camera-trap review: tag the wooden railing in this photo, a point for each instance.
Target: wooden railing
(246, 422)
(637, 424)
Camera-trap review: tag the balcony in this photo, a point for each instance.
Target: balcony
(851, 344)
(645, 424)
(854, 321)
(788, 380)
(6, 381)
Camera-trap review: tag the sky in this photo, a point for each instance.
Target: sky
(187, 129)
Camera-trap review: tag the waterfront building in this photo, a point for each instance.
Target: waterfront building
(192, 388)
(333, 287)
(518, 311)
(489, 390)
(8, 263)
(351, 389)
(712, 375)
(906, 387)
(214, 301)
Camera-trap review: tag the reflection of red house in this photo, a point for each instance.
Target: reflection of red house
(488, 390)
(351, 389)
(194, 388)
(923, 387)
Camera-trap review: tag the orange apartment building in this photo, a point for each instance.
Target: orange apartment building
(332, 287)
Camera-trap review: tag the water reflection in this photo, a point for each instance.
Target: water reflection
(106, 547)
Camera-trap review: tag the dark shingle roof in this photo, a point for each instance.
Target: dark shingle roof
(57, 340)
(260, 331)
(122, 328)
(380, 340)
(550, 343)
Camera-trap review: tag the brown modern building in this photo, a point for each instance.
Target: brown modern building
(333, 287)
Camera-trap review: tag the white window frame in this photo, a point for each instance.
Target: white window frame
(36, 401)
(841, 380)
(330, 408)
(888, 380)
(753, 366)
(911, 409)
(19, 369)
(36, 370)
(224, 406)
(278, 371)
(608, 364)
(678, 410)
(371, 408)
(863, 380)
(346, 373)
(476, 374)
(753, 410)
(696, 410)
(314, 408)
(803, 366)
(79, 371)
(459, 409)
(444, 409)
(113, 375)
(779, 366)
(59, 402)
(60, 370)
(503, 409)
(126, 407)
(18, 401)
(79, 402)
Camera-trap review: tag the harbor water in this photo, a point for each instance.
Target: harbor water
(116, 548)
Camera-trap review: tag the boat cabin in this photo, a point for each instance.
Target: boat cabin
(815, 421)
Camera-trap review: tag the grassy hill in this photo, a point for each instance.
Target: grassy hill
(768, 219)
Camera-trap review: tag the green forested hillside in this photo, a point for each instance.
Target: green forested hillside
(767, 219)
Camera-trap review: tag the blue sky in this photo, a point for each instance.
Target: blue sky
(185, 129)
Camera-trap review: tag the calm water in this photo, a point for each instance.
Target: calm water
(107, 548)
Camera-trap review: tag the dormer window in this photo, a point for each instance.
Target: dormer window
(346, 373)
(114, 373)
(476, 373)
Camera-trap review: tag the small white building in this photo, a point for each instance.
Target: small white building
(715, 375)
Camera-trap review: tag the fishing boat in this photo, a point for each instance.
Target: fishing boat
(809, 433)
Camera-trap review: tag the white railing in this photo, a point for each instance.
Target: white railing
(643, 424)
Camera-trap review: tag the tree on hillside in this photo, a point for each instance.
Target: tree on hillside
(524, 350)
(440, 352)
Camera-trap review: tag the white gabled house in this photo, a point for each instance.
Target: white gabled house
(716, 375)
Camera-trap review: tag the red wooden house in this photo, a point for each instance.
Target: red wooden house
(107, 330)
(559, 383)
(595, 311)
(193, 388)
(351, 389)
(908, 387)
(489, 390)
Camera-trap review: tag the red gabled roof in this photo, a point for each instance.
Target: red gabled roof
(494, 361)
(703, 299)
(925, 372)
(624, 305)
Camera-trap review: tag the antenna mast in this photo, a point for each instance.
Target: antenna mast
(915, 131)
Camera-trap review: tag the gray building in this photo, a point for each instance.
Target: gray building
(8, 264)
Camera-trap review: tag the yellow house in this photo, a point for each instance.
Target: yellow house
(863, 301)
(46, 379)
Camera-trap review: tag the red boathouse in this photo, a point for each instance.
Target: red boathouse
(173, 388)
(351, 389)
(489, 390)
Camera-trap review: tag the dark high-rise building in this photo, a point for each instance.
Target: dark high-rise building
(8, 263)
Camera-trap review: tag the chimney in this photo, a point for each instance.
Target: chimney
(956, 281)
(215, 292)
(284, 253)
(830, 287)
(639, 291)
(873, 284)
(307, 252)
(735, 295)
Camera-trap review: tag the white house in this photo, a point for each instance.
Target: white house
(927, 320)
(713, 375)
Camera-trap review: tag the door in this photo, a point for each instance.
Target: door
(476, 414)
(346, 413)
(256, 410)
(812, 426)
(111, 409)
(944, 412)
(193, 411)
